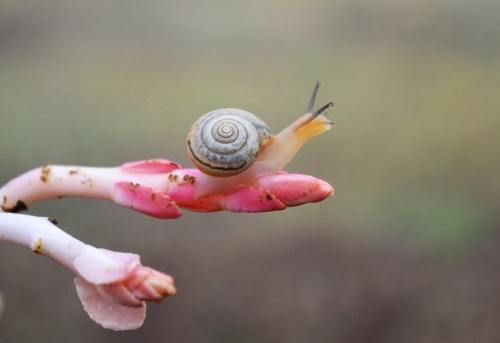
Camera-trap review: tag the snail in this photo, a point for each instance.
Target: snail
(235, 143)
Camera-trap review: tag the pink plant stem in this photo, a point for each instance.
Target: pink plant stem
(159, 188)
(52, 182)
(41, 236)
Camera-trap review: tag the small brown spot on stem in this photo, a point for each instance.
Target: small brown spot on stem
(44, 176)
(37, 247)
(132, 186)
(153, 196)
(73, 172)
(18, 207)
(189, 178)
(87, 182)
(172, 177)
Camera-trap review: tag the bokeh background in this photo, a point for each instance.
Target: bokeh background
(408, 249)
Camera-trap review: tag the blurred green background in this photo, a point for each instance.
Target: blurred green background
(408, 249)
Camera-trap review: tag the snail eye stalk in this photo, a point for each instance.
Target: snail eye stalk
(313, 97)
(311, 105)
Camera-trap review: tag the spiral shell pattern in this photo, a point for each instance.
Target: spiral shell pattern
(226, 142)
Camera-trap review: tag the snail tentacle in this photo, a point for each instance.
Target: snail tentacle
(313, 97)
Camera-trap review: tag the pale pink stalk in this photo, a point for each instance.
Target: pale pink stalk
(159, 188)
(112, 286)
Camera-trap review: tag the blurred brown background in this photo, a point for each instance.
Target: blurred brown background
(406, 250)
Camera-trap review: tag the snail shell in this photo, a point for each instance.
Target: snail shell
(226, 142)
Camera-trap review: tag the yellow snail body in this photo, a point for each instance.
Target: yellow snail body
(262, 153)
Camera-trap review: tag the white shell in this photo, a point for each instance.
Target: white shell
(226, 142)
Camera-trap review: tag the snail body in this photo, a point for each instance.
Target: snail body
(226, 141)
